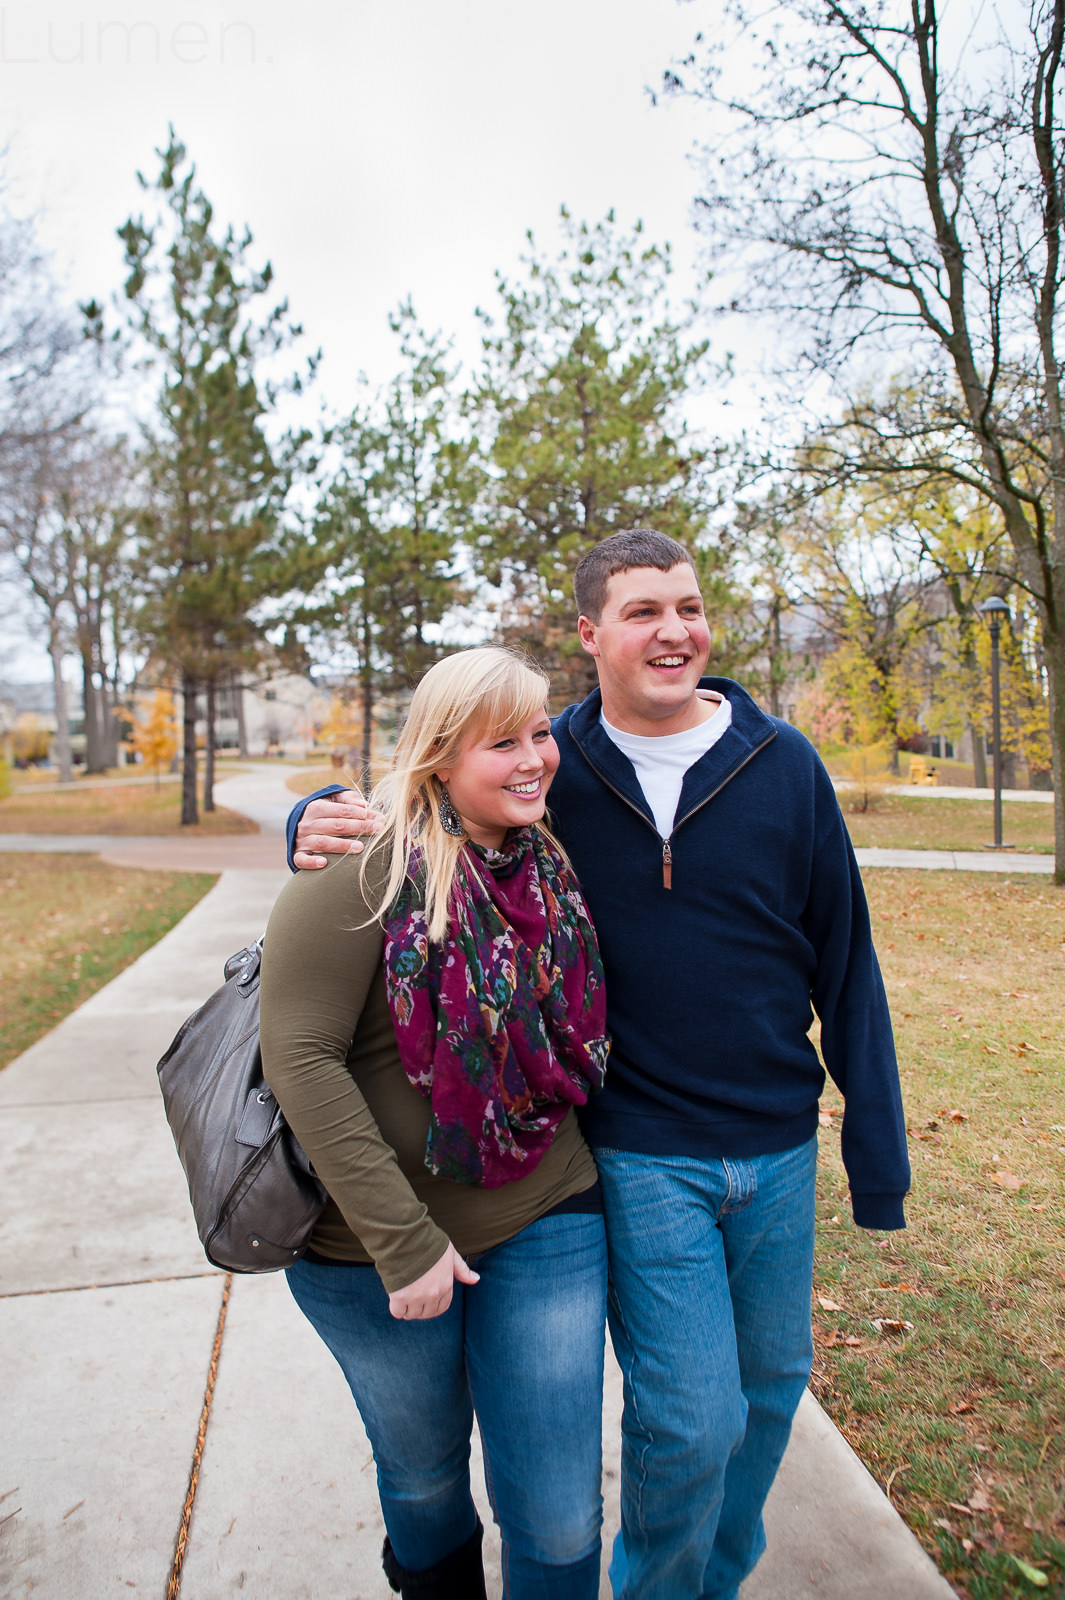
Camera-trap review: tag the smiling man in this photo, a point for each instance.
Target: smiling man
(729, 907)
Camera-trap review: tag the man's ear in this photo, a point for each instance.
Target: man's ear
(586, 634)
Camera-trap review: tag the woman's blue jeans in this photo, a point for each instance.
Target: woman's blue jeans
(711, 1265)
(524, 1350)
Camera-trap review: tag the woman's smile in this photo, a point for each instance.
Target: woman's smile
(500, 781)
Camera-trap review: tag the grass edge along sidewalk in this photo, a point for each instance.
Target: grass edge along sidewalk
(68, 925)
(940, 1351)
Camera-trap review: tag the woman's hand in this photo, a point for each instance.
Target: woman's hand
(430, 1295)
(331, 827)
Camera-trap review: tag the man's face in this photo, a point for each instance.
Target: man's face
(650, 647)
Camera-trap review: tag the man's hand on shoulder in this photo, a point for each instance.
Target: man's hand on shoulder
(331, 827)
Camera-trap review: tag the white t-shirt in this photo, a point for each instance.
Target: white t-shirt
(662, 760)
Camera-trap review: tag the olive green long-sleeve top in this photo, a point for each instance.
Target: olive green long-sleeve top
(330, 1057)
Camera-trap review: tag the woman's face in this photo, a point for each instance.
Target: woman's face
(498, 783)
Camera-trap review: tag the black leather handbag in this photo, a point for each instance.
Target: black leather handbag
(254, 1193)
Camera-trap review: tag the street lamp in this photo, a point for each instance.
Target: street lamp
(995, 610)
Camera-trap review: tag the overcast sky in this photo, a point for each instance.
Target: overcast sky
(376, 148)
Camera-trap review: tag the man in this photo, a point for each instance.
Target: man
(721, 880)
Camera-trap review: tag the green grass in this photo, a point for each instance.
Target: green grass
(68, 925)
(900, 822)
(962, 1415)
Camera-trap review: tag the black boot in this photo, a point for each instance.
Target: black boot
(459, 1576)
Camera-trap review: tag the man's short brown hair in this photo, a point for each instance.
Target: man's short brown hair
(621, 552)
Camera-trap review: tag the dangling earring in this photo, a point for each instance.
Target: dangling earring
(450, 820)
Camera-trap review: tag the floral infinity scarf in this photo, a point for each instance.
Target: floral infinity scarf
(503, 1026)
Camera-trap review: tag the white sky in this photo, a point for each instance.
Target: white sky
(376, 148)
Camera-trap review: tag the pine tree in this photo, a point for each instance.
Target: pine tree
(216, 540)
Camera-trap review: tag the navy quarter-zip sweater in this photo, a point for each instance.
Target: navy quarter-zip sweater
(712, 982)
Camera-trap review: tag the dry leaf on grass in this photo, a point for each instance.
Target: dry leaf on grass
(827, 1305)
(1033, 1574)
(892, 1325)
(1008, 1180)
(836, 1338)
(957, 1408)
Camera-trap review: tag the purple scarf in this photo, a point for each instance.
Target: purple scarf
(503, 1026)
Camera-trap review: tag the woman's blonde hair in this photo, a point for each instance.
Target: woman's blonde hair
(471, 694)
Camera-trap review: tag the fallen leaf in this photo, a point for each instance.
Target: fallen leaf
(1033, 1574)
(991, 1050)
(1008, 1180)
(891, 1325)
(941, 1522)
(958, 1407)
(955, 1116)
(979, 1501)
(825, 1118)
(836, 1338)
(827, 1305)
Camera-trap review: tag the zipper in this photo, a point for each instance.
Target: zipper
(667, 844)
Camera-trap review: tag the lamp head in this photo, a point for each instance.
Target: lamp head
(995, 609)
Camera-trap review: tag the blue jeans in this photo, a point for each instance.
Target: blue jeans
(711, 1268)
(524, 1350)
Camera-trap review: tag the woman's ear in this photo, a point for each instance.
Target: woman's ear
(443, 775)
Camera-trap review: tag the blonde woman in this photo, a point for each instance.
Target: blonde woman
(432, 1014)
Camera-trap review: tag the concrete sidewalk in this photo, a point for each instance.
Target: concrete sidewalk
(109, 1318)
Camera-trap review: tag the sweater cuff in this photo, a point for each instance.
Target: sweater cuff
(407, 1261)
(878, 1210)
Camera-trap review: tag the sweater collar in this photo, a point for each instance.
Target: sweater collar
(749, 730)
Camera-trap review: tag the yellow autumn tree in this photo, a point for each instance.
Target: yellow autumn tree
(341, 732)
(154, 738)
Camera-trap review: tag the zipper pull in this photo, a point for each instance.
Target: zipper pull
(667, 865)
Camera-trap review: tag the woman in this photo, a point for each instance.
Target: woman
(432, 1012)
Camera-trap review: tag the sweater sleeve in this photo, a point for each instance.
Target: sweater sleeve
(318, 964)
(296, 814)
(856, 1037)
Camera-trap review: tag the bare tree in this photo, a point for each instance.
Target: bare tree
(29, 538)
(894, 187)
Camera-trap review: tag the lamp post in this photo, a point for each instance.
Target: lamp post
(995, 610)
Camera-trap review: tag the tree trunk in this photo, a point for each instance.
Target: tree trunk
(190, 815)
(976, 734)
(242, 726)
(1054, 646)
(208, 749)
(366, 752)
(62, 716)
(776, 657)
(109, 716)
(95, 760)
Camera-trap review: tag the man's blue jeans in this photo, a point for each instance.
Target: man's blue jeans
(524, 1349)
(711, 1267)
